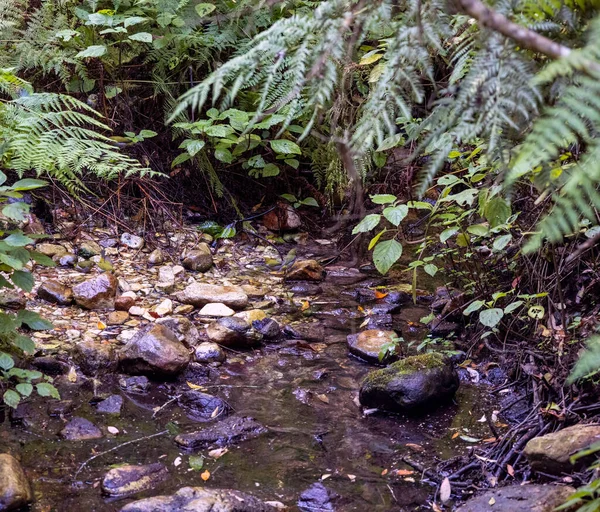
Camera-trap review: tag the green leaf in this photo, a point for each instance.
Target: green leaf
(286, 147)
(33, 320)
(11, 261)
(386, 254)
(536, 312)
(447, 234)
(66, 35)
(148, 134)
(42, 259)
(379, 159)
(11, 398)
(289, 197)
(383, 198)
(376, 238)
(143, 37)
(478, 229)
(179, 159)
(133, 20)
(512, 306)
(22, 279)
(6, 362)
(16, 211)
(18, 240)
(367, 224)
(219, 130)
(196, 462)
(223, 155)
(292, 162)
(491, 317)
(430, 269)
(270, 170)
(309, 201)
(501, 242)
(24, 388)
(370, 58)
(391, 142)
(204, 9)
(395, 214)
(192, 146)
(92, 51)
(28, 184)
(46, 389)
(229, 231)
(25, 343)
(496, 211)
(474, 306)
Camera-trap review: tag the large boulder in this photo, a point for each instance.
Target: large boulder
(368, 345)
(55, 292)
(200, 499)
(15, 491)
(154, 351)
(96, 293)
(519, 498)
(232, 332)
(199, 294)
(305, 270)
(551, 453)
(202, 406)
(410, 384)
(131, 479)
(199, 259)
(231, 430)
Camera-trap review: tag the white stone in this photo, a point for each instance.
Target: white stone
(137, 311)
(164, 308)
(216, 309)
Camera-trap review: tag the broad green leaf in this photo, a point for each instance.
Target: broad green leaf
(11, 398)
(478, 229)
(223, 155)
(25, 343)
(204, 9)
(46, 389)
(11, 261)
(285, 147)
(367, 224)
(257, 161)
(196, 462)
(219, 130)
(391, 142)
(22, 279)
(18, 240)
(292, 162)
(66, 35)
(430, 269)
(536, 312)
(386, 254)
(92, 51)
(270, 170)
(143, 37)
(42, 259)
(192, 146)
(229, 231)
(16, 211)
(179, 159)
(512, 306)
(395, 214)
(133, 20)
(501, 242)
(6, 362)
(309, 201)
(148, 134)
(491, 317)
(289, 197)
(379, 159)
(24, 388)
(474, 306)
(447, 234)
(33, 320)
(497, 211)
(376, 238)
(370, 58)
(213, 113)
(419, 205)
(383, 198)
(463, 239)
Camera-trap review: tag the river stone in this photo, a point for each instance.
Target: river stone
(15, 491)
(154, 350)
(132, 241)
(551, 453)
(411, 383)
(304, 289)
(317, 498)
(80, 429)
(110, 405)
(199, 294)
(125, 302)
(117, 317)
(166, 279)
(202, 406)
(88, 249)
(305, 270)
(282, 218)
(368, 345)
(199, 259)
(208, 352)
(136, 384)
(66, 260)
(60, 407)
(51, 249)
(186, 332)
(12, 299)
(200, 499)
(95, 356)
(519, 498)
(164, 308)
(231, 430)
(156, 257)
(55, 292)
(97, 292)
(268, 327)
(232, 331)
(131, 479)
(216, 309)
(251, 315)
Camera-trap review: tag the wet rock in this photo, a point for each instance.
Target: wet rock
(314, 332)
(208, 352)
(164, 308)
(306, 289)
(130, 479)
(132, 241)
(60, 407)
(519, 498)
(368, 345)
(199, 294)
(166, 279)
(154, 350)
(232, 331)
(439, 327)
(398, 297)
(12, 299)
(317, 498)
(202, 406)
(282, 218)
(50, 366)
(137, 384)
(50, 249)
(305, 270)
(231, 430)
(200, 259)
(80, 429)
(186, 332)
(268, 327)
(551, 453)
(216, 309)
(200, 499)
(156, 257)
(117, 317)
(88, 249)
(55, 292)
(15, 491)
(97, 292)
(409, 384)
(110, 405)
(67, 260)
(125, 302)
(95, 356)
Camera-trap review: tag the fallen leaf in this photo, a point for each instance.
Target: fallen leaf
(215, 413)
(72, 375)
(455, 435)
(196, 462)
(194, 386)
(380, 295)
(113, 430)
(323, 398)
(492, 500)
(352, 478)
(470, 439)
(101, 325)
(435, 508)
(445, 490)
(490, 440)
(305, 305)
(384, 472)
(404, 472)
(510, 470)
(325, 476)
(414, 447)
(217, 453)
(205, 475)
(177, 462)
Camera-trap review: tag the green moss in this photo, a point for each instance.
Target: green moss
(381, 378)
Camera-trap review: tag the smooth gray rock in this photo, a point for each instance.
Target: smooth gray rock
(208, 352)
(96, 293)
(199, 294)
(199, 259)
(232, 332)
(183, 328)
(80, 429)
(132, 241)
(202, 406)
(15, 491)
(110, 405)
(519, 498)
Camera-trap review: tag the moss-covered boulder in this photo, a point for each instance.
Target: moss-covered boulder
(410, 384)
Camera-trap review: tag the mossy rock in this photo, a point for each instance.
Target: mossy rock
(410, 384)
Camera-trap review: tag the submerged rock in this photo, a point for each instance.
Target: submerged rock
(110, 405)
(131, 479)
(317, 498)
(268, 327)
(137, 384)
(208, 352)
(154, 350)
(519, 498)
(411, 383)
(305, 270)
(55, 292)
(202, 406)
(368, 345)
(200, 499)
(199, 294)
(15, 491)
(80, 429)
(551, 453)
(200, 259)
(230, 431)
(232, 331)
(94, 356)
(96, 293)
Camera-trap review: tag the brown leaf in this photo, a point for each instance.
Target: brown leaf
(205, 475)
(404, 472)
(380, 295)
(384, 472)
(323, 398)
(414, 447)
(510, 470)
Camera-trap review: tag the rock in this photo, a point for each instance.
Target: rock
(50, 365)
(164, 308)
(305, 270)
(110, 405)
(231, 430)
(440, 327)
(60, 407)
(137, 384)
(268, 327)
(124, 286)
(97, 292)
(95, 356)
(410, 384)
(84, 266)
(551, 453)
(368, 345)
(216, 309)
(154, 350)
(137, 311)
(166, 279)
(200, 499)
(282, 218)
(317, 498)
(132, 241)
(51, 249)
(67, 260)
(15, 491)
(117, 317)
(519, 498)
(251, 315)
(185, 330)
(55, 292)
(306, 289)
(130, 479)
(232, 331)
(80, 429)
(124, 302)
(12, 299)
(202, 406)
(156, 257)
(208, 352)
(199, 294)
(253, 292)
(200, 259)
(89, 249)
(109, 243)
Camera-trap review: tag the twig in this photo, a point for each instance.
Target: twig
(168, 402)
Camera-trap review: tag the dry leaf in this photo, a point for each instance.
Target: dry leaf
(217, 453)
(72, 375)
(194, 386)
(101, 325)
(379, 295)
(445, 490)
(455, 435)
(492, 500)
(177, 462)
(215, 412)
(414, 447)
(384, 472)
(404, 472)
(352, 478)
(510, 470)
(323, 398)
(205, 475)
(325, 476)
(435, 508)
(305, 305)
(113, 430)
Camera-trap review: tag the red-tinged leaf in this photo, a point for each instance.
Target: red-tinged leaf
(510, 470)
